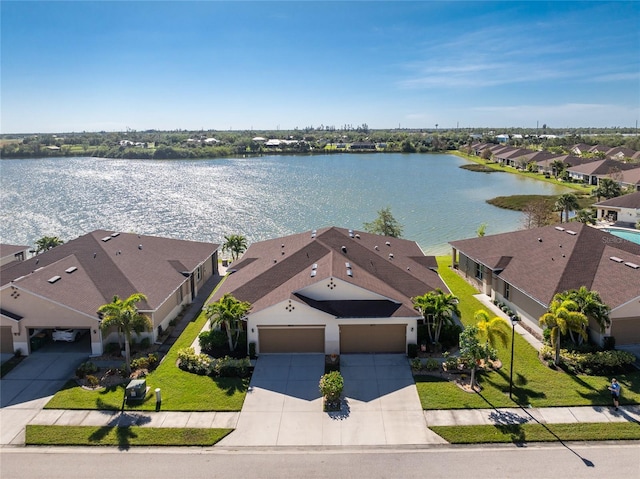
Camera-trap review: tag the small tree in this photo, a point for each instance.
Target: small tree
(482, 229)
(567, 203)
(236, 244)
(607, 189)
(124, 315)
(385, 224)
(537, 213)
(563, 315)
(472, 351)
(228, 311)
(438, 308)
(331, 385)
(46, 243)
(492, 330)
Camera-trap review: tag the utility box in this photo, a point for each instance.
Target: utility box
(136, 390)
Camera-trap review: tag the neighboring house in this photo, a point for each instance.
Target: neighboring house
(10, 253)
(580, 149)
(332, 291)
(525, 269)
(620, 153)
(590, 173)
(623, 209)
(362, 145)
(64, 286)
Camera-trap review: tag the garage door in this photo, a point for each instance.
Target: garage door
(6, 340)
(626, 331)
(291, 340)
(373, 338)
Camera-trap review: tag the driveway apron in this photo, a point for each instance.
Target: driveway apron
(283, 406)
(25, 390)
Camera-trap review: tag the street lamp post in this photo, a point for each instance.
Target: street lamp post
(514, 320)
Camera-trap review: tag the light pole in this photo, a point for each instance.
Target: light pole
(514, 320)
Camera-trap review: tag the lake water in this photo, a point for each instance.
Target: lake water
(260, 198)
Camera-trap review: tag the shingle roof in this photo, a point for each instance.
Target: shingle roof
(109, 264)
(274, 270)
(544, 261)
(631, 200)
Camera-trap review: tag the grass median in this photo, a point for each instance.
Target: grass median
(534, 383)
(520, 433)
(123, 437)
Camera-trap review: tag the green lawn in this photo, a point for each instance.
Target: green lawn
(538, 433)
(534, 383)
(123, 437)
(181, 391)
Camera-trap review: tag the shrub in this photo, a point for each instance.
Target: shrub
(599, 363)
(608, 343)
(145, 362)
(112, 349)
(189, 361)
(450, 335)
(416, 363)
(331, 385)
(145, 343)
(252, 350)
(451, 362)
(229, 367)
(213, 339)
(92, 381)
(412, 350)
(86, 368)
(432, 364)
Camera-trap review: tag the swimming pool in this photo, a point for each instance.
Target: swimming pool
(629, 235)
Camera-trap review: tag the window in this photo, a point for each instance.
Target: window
(198, 273)
(180, 295)
(478, 271)
(507, 291)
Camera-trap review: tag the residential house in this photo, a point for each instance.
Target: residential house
(332, 290)
(10, 253)
(64, 286)
(623, 209)
(526, 268)
(591, 172)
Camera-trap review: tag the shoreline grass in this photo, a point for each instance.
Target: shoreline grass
(123, 437)
(521, 433)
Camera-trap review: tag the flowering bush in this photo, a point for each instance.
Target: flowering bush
(592, 363)
(331, 385)
(191, 362)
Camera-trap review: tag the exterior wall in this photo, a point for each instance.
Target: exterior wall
(468, 268)
(628, 215)
(38, 313)
(342, 291)
(20, 256)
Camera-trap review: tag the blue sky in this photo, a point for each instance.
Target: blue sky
(101, 65)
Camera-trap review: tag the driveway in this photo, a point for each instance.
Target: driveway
(283, 406)
(28, 387)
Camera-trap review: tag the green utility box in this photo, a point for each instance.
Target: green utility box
(136, 390)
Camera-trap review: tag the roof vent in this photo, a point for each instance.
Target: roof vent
(616, 259)
(70, 270)
(54, 279)
(351, 233)
(388, 243)
(572, 232)
(139, 246)
(344, 249)
(632, 265)
(348, 265)
(390, 255)
(539, 240)
(282, 245)
(357, 236)
(559, 228)
(313, 234)
(106, 238)
(313, 273)
(315, 266)
(376, 247)
(349, 272)
(113, 235)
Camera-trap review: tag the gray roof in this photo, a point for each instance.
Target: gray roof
(276, 270)
(631, 200)
(544, 261)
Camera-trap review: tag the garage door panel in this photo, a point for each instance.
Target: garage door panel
(6, 340)
(291, 340)
(373, 338)
(626, 331)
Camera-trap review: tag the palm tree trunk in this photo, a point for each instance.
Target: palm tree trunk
(556, 360)
(227, 326)
(127, 353)
(473, 376)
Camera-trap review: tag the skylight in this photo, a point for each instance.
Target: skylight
(53, 279)
(70, 270)
(632, 265)
(616, 259)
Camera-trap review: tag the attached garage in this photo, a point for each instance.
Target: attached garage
(626, 331)
(6, 340)
(291, 339)
(373, 338)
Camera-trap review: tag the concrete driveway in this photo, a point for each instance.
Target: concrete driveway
(283, 406)
(28, 387)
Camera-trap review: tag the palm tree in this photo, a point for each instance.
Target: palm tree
(437, 308)
(586, 216)
(567, 202)
(607, 188)
(46, 243)
(557, 166)
(491, 330)
(228, 311)
(124, 315)
(236, 244)
(563, 315)
(590, 304)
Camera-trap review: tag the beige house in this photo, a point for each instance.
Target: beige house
(622, 209)
(332, 291)
(525, 269)
(65, 286)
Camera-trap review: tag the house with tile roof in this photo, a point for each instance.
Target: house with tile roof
(64, 286)
(525, 269)
(622, 209)
(332, 291)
